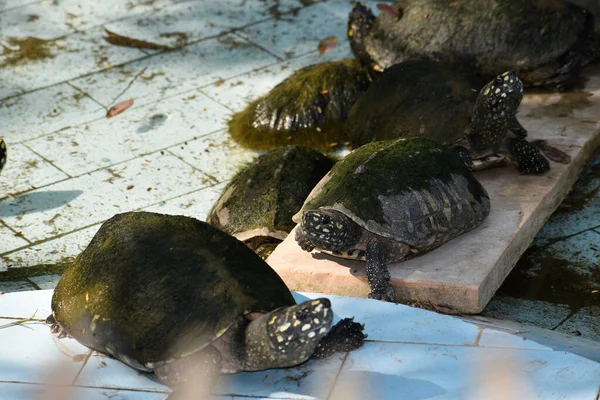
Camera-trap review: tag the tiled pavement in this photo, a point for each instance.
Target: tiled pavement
(409, 354)
(70, 168)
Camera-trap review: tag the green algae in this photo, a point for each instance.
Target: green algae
(309, 108)
(27, 49)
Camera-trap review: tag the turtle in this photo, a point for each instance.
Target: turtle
(546, 43)
(308, 108)
(442, 101)
(3, 153)
(388, 201)
(178, 297)
(258, 203)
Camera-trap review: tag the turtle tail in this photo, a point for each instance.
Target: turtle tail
(360, 21)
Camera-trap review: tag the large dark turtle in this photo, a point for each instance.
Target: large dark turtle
(258, 204)
(3, 153)
(545, 42)
(309, 108)
(390, 200)
(176, 296)
(440, 101)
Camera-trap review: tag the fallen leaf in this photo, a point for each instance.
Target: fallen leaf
(327, 44)
(454, 4)
(390, 9)
(124, 41)
(130, 187)
(119, 108)
(552, 152)
(324, 91)
(426, 15)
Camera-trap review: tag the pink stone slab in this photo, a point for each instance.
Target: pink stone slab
(464, 273)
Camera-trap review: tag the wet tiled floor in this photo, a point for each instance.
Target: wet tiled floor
(70, 168)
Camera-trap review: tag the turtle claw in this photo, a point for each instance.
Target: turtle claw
(344, 336)
(388, 295)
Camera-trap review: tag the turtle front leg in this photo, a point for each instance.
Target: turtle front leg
(515, 127)
(192, 377)
(344, 336)
(378, 274)
(528, 157)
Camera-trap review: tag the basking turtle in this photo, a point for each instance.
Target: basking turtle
(176, 296)
(308, 108)
(3, 153)
(544, 42)
(390, 200)
(440, 101)
(257, 205)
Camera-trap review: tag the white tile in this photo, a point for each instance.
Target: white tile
(44, 111)
(136, 131)
(33, 303)
(26, 170)
(30, 353)
(217, 155)
(16, 286)
(238, 91)
(60, 250)
(10, 240)
(68, 58)
(301, 33)
(406, 371)
(93, 198)
(170, 73)
(398, 322)
(196, 204)
(494, 338)
(45, 281)
(107, 372)
(17, 391)
(311, 380)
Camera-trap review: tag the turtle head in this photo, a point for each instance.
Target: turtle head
(495, 110)
(327, 230)
(287, 336)
(360, 21)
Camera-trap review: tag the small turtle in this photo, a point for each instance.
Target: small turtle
(176, 296)
(3, 153)
(544, 42)
(390, 200)
(257, 205)
(308, 108)
(439, 100)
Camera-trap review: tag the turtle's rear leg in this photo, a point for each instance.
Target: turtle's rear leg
(192, 377)
(55, 327)
(344, 336)
(378, 274)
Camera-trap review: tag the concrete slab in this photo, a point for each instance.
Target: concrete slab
(465, 273)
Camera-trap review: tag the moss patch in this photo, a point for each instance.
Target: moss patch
(28, 49)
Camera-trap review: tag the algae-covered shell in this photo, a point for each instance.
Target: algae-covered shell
(543, 42)
(416, 98)
(169, 285)
(262, 198)
(308, 108)
(413, 191)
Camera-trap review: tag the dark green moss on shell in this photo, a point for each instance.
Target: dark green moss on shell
(389, 168)
(416, 98)
(309, 108)
(268, 192)
(544, 42)
(152, 287)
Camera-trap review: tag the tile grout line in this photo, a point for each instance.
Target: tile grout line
(479, 334)
(337, 376)
(17, 234)
(48, 161)
(89, 355)
(14, 195)
(85, 94)
(19, 6)
(100, 222)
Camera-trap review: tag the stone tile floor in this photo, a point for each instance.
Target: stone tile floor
(409, 354)
(70, 168)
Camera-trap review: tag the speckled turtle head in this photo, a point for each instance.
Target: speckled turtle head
(2, 154)
(495, 111)
(360, 21)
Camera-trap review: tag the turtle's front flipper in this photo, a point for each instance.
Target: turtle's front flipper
(192, 376)
(344, 336)
(528, 157)
(515, 127)
(378, 274)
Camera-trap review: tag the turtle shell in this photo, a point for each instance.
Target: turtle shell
(151, 288)
(309, 108)
(262, 198)
(414, 191)
(416, 98)
(529, 37)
